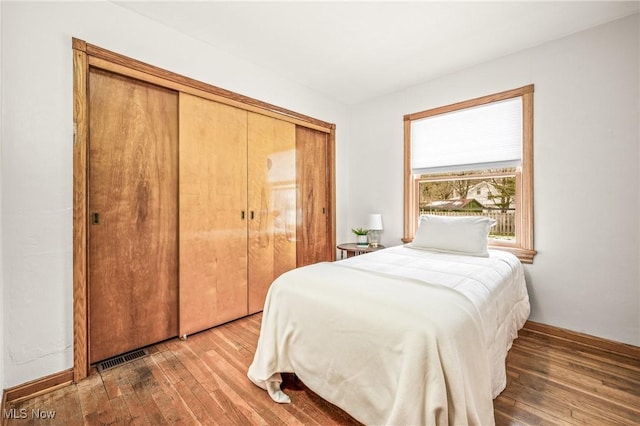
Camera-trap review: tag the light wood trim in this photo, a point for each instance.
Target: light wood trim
(520, 201)
(80, 127)
(409, 197)
(331, 159)
(525, 256)
(38, 386)
(78, 44)
(526, 231)
(114, 62)
(523, 248)
(585, 339)
(507, 94)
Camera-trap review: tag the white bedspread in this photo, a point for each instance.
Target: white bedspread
(495, 285)
(398, 336)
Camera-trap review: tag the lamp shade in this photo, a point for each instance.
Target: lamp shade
(375, 222)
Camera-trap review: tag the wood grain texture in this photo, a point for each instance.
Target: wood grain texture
(79, 45)
(272, 203)
(80, 127)
(408, 188)
(101, 59)
(584, 339)
(39, 386)
(551, 381)
(558, 381)
(527, 174)
(133, 258)
(331, 159)
(313, 242)
(213, 205)
(100, 56)
(495, 97)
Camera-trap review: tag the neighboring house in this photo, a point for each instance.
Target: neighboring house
(482, 196)
(484, 193)
(468, 204)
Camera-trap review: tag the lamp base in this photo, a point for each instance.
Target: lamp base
(374, 238)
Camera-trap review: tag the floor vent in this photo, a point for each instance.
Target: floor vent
(121, 359)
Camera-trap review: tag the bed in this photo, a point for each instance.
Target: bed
(404, 335)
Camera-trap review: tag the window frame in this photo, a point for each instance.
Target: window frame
(523, 247)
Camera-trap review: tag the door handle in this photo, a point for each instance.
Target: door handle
(95, 218)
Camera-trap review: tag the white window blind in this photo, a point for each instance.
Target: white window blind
(482, 137)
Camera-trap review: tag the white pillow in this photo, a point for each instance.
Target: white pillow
(455, 234)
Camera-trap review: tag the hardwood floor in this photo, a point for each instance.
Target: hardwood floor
(551, 381)
(558, 381)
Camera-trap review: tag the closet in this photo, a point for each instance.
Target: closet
(189, 201)
(237, 210)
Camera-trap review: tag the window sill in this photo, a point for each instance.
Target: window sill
(525, 255)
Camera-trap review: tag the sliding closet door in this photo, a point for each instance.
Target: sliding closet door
(213, 203)
(313, 196)
(133, 251)
(272, 203)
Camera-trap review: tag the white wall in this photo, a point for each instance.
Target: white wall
(587, 184)
(36, 168)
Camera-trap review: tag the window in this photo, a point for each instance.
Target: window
(474, 158)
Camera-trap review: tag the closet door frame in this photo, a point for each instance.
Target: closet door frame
(86, 56)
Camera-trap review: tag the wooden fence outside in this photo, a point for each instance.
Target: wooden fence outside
(505, 221)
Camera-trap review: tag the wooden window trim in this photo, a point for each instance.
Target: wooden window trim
(523, 248)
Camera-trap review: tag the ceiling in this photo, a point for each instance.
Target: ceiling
(352, 51)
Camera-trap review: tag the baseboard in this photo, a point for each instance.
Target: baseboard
(37, 387)
(585, 339)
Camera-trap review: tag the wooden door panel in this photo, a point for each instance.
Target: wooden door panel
(313, 197)
(213, 203)
(272, 203)
(132, 232)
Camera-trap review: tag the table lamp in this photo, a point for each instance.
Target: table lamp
(375, 227)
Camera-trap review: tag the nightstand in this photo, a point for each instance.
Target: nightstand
(353, 249)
